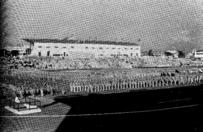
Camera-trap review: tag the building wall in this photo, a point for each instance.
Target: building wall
(198, 55)
(83, 50)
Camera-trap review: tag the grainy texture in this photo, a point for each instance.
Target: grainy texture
(159, 25)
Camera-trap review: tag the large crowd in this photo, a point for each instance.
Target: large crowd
(67, 63)
(94, 63)
(32, 82)
(35, 80)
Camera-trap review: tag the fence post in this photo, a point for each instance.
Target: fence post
(32, 93)
(52, 91)
(21, 95)
(63, 91)
(41, 92)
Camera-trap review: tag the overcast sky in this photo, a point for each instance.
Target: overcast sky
(159, 24)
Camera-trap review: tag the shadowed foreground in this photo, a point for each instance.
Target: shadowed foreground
(159, 110)
(169, 109)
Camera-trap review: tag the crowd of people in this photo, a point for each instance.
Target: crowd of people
(29, 82)
(51, 63)
(68, 63)
(32, 82)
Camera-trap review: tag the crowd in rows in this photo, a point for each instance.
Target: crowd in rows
(92, 63)
(163, 61)
(33, 82)
(68, 63)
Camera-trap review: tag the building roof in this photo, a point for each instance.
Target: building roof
(199, 50)
(80, 42)
(16, 48)
(172, 51)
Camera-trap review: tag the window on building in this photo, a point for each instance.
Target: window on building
(86, 47)
(55, 46)
(107, 48)
(100, 48)
(113, 48)
(56, 55)
(126, 48)
(39, 46)
(93, 47)
(48, 53)
(39, 53)
(136, 54)
(64, 47)
(199, 53)
(48, 47)
(131, 54)
(72, 47)
(131, 48)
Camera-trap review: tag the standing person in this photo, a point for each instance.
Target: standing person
(17, 100)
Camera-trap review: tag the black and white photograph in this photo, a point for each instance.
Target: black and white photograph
(101, 65)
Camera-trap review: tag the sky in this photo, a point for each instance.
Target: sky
(159, 24)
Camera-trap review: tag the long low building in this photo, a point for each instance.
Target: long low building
(198, 54)
(77, 48)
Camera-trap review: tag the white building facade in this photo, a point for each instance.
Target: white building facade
(83, 49)
(198, 54)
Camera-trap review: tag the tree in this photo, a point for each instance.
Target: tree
(150, 53)
(181, 54)
(168, 54)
